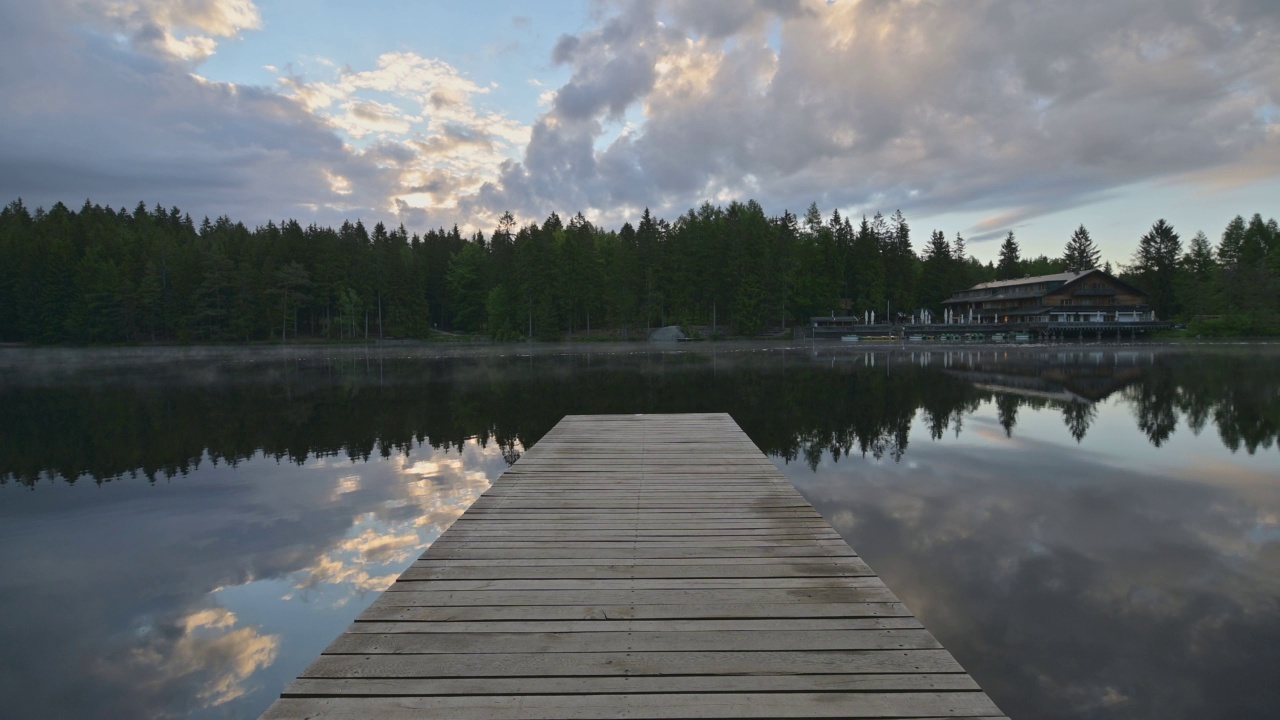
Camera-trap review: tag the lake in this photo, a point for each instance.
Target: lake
(1093, 531)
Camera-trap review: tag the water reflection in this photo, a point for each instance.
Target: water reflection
(1093, 532)
(204, 596)
(162, 422)
(1109, 579)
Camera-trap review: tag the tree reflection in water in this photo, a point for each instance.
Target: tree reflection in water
(1033, 523)
(113, 422)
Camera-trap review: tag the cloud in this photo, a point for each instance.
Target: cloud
(182, 30)
(1007, 110)
(84, 116)
(433, 491)
(202, 651)
(109, 108)
(441, 144)
(1015, 109)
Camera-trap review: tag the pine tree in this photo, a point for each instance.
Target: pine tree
(899, 265)
(959, 250)
(961, 274)
(937, 272)
(1256, 240)
(468, 286)
(1010, 265)
(1199, 260)
(1232, 245)
(1199, 270)
(868, 269)
(1156, 265)
(1080, 253)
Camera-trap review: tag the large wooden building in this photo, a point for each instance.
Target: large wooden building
(1069, 297)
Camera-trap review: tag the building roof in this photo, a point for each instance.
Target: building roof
(1027, 287)
(1056, 277)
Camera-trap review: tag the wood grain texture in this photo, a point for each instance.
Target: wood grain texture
(637, 566)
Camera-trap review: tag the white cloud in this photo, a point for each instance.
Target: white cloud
(186, 30)
(1005, 109)
(434, 138)
(1017, 109)
(203, 648)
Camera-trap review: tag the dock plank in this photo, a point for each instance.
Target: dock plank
(637, 566)
(923, 704)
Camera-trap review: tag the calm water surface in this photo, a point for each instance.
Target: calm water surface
(1092, 531)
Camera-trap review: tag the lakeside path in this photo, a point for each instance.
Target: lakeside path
(637, 566)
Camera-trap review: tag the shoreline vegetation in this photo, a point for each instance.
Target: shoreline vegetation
(101, 276)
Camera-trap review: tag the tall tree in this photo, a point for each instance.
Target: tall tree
(1256, 242)
(868, 268)
(1010, 265)
(1200, 270)
(1156, 265)
(1249, 280)
(899, 265)
(468, 280)
(649, 254)
(1231, 249)
(1199, 260)
(1080, 253)
(292, 281)
(937, 273)
(962, 273)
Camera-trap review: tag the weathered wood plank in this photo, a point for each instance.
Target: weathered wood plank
(634, 572)
(625, 663)
(423, 642)
(675, 705)
(579, 533)
(339, 687)
(634, 562)
(644, 567)
(639, 626)
(441, 552)
(639, 543)
(608, 707)
(600, 612)
(404, 584)
(633, 597)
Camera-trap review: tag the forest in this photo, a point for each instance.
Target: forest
(102, 275)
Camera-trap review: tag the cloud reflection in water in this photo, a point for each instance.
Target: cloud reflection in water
(1098, 578)
(229, 582)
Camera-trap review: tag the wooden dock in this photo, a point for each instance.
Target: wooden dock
(637, 566)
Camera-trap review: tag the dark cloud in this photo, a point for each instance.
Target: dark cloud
(1011, 109)
(563, 51)
(722, 18)
(1023, 108)
(84, 117)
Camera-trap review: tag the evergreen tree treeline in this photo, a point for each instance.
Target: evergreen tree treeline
(104, 276)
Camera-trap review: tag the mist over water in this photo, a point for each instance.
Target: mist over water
(1093, 531)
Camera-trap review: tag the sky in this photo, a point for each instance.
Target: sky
(975, 117)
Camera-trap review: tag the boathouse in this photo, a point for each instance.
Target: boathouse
(1070, 297)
